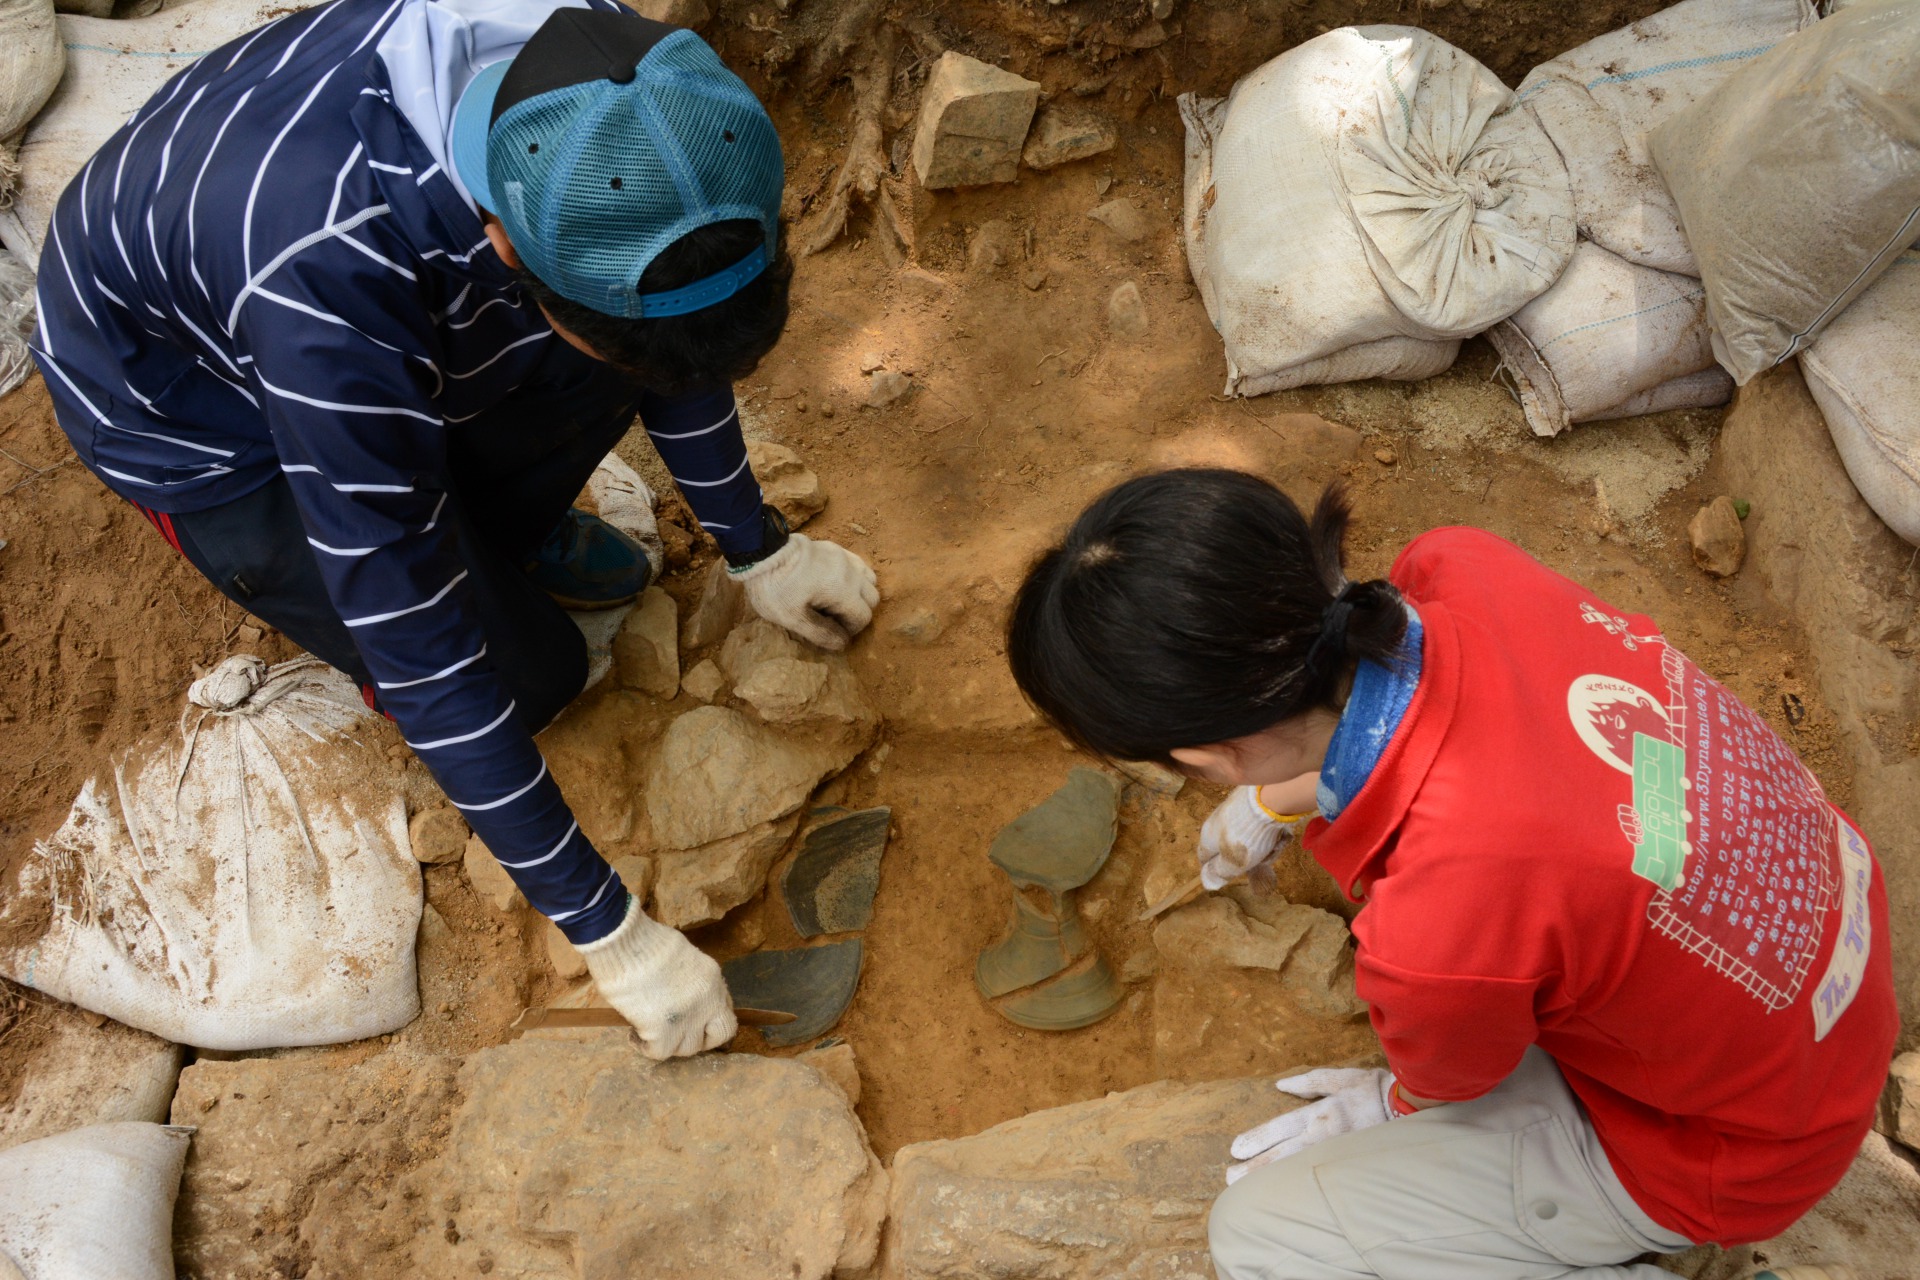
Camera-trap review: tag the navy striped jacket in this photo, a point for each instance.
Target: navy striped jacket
(269, 270)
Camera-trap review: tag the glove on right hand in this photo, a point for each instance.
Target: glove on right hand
(1238, 836)
(820, 591)
(669, 989)
(1350, 1099)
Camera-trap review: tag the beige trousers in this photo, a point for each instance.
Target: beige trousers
(1510, 1186)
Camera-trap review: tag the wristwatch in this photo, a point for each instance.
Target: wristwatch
(773, 536)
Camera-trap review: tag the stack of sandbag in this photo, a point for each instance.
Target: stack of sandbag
(1864, 373)
(1361, 203)
(114, 67)
(1624, 331)
(92, 1204)
(31, 59)
(244, 882)
(1798, 179)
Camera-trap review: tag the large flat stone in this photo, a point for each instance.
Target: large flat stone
(1114, 1189)
(718, 773)
(1851, 585)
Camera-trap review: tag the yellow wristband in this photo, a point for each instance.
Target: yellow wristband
(1283, 818)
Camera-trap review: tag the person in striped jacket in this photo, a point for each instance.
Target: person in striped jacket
(352, 309)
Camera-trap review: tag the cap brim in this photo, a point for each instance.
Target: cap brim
(472, 119)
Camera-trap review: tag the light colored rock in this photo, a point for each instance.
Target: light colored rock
(80, 1075)
(788, 681)
(1062, 135)
(646, 652)
(636, 875)
(705, 681)
(1156, 778)
(1852, 586)
(1904, 1101)
(992, 245)
(884, 386)
(1122, 217)
(973, 118)
(718, 773)
(786, 482)
(1117, 1187)
(562, 955)
(1719, 541)
(587, 1160)
(300, 1164)
(837, 1064)
(920, 626)
(692, 14)
(1306, 946)
(722, 600)
(489, 879)
(437, 835)
(698, 886)
(783, 688)
(1127, 312)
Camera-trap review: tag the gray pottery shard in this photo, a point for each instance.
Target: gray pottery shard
(1062, 842)
(815, 984)
(831, 883)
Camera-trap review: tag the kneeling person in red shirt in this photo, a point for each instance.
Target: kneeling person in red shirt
(1628, 964)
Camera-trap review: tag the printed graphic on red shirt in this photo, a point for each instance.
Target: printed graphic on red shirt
(1747, 856)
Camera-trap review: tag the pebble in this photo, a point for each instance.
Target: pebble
(1385, 457)
(1127, 312)
(1122, 217)
(885, 386)
(1719, 541)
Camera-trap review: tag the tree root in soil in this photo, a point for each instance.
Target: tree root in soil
(863, 171)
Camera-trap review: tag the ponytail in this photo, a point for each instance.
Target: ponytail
(1193, 607)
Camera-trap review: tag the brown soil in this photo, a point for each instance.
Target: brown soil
(1022, 409)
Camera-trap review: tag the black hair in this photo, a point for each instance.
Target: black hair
(1192, 607)
(705, 348)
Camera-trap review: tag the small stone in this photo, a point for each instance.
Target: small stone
(1035, 279)
(1742, 508)
(836, 1063)
(872, 360)
(1156, 778)
(437, 835)
(677, 543)
(886, 386)
(704, 681)
(565, 958)
(1904, 1100)
(248, 636)
(826, 409)
(1142, 964)
(1127, 312)
(920, 626)
(1122, 217)
(973, 118)
(489, 879)
(1719, 541)
(1385, 457)
(992, 245)
(785, 481)
(1161, 10)
(1062, 135)
(646, 652)
(709, 621)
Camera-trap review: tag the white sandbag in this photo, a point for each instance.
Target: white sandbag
(16, 321)
(243, 883)
(1864, 373)
(1798, 179)
(1604, 339)
(93, 1204)
(31, 60)
(1599, 101)
(113, 67)
(79, 1074)
(1363, 201)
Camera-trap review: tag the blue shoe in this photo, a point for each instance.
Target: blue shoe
(586, 563)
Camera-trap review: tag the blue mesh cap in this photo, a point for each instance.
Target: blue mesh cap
(592, 178)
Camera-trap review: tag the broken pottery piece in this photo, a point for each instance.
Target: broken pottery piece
(831, 883)
(1077, 998)
(1036, 947)
(815, 984)
(1062, 842)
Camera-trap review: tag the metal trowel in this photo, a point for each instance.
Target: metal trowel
(586, 1019)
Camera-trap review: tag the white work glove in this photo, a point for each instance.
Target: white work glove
(669, 989)
(1238, 836)
(1350, 1099)
(820, 591)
